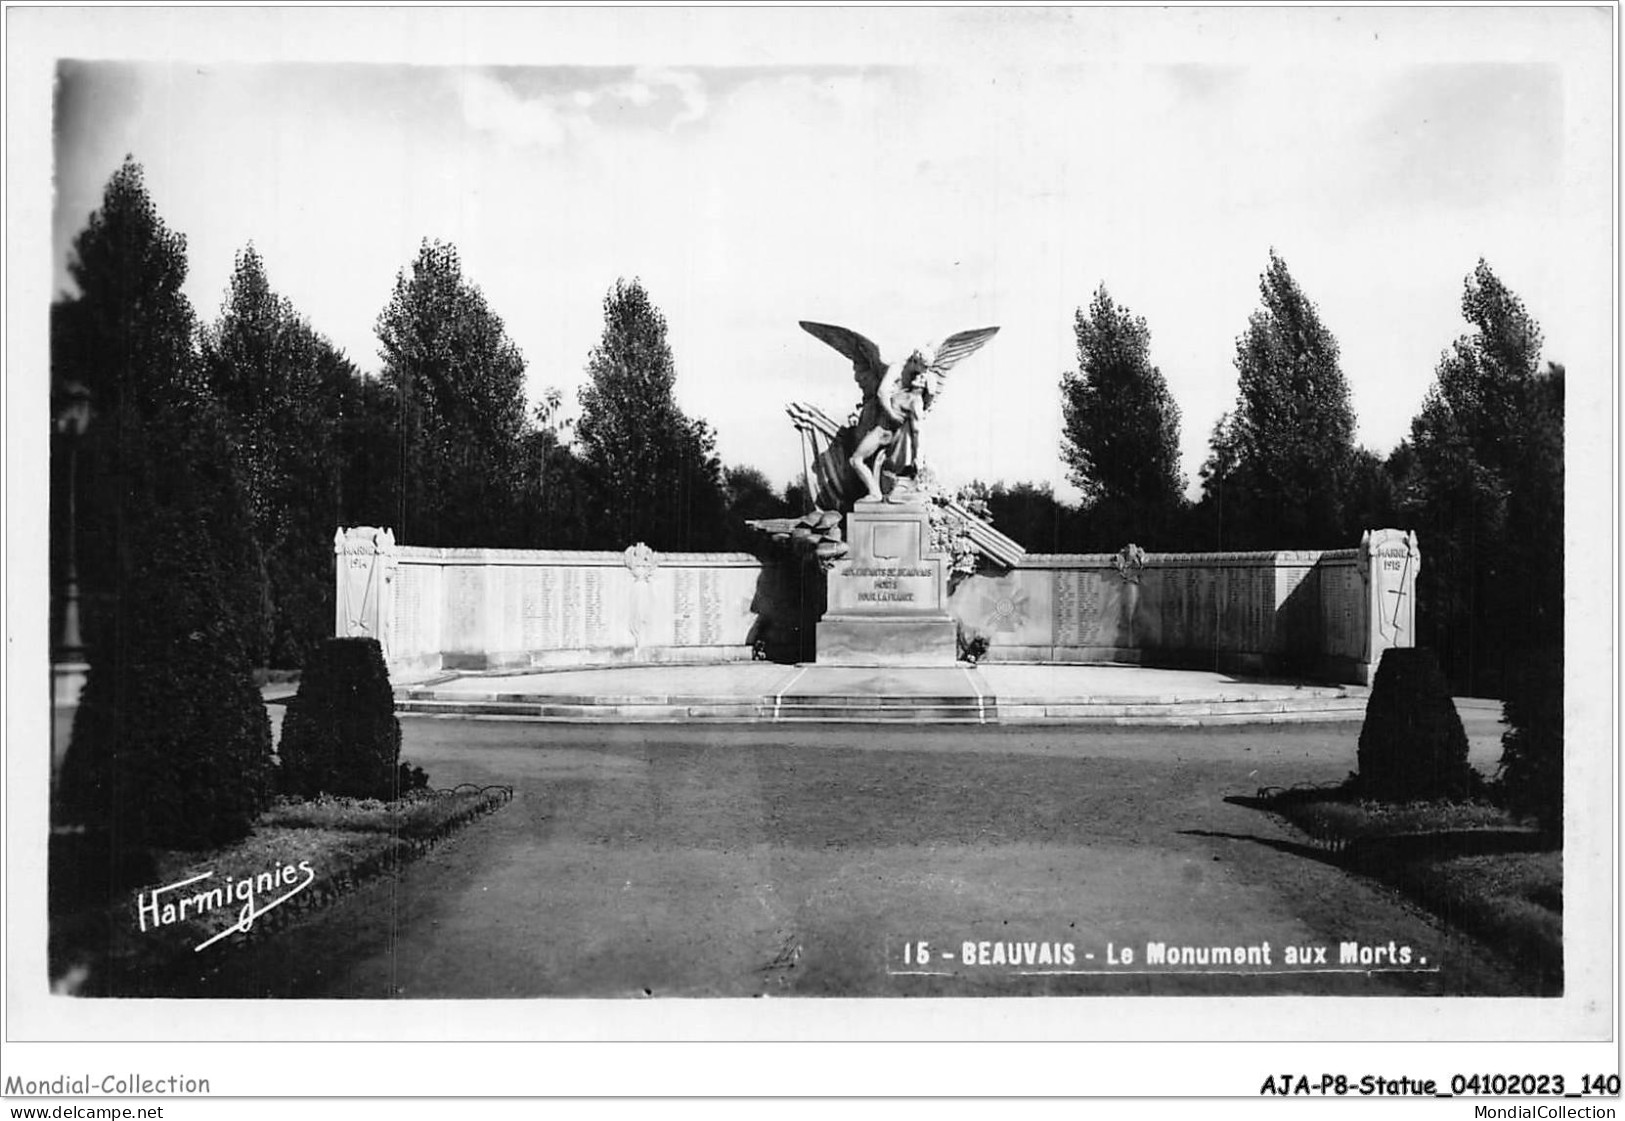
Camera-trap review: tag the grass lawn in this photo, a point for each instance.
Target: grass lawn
(1468, 862)
(300, 856)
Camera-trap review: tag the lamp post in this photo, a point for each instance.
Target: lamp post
(72, 417)
(68, 669)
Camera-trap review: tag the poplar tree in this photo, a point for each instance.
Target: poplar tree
(284, 390)
(170, 744)
(459, 389)
(1289, 444)
(654, 471)
(1120, 439)
(1486, 493)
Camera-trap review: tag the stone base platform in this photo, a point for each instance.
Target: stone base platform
(765, 692)
(882, 640)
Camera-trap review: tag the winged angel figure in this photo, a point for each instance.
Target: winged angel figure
(896, 395)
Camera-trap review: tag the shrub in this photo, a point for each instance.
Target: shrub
(1412, 745)
(409, 779)
(340, 735)
(972, 644)
(1531, 772)
(171, 746)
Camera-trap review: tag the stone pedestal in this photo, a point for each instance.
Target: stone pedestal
(1389, 563)
(888, 599)
(365, 568)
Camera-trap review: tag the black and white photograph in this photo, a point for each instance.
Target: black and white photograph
(813, 524)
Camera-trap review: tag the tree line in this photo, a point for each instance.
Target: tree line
(1479, 478)
(256, 435)
(294, 440)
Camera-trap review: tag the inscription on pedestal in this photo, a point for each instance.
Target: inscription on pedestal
(887, 585)
(888, 572)
(888, 600)
(1393, 591)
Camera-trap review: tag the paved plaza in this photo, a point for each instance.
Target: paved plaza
(997, 692)
(736, 861)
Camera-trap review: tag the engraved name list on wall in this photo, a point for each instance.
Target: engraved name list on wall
(697, 599)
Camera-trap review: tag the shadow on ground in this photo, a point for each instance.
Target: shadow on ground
(1502, 883)
(744, 861)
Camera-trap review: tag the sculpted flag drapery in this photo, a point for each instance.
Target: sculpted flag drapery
(896, 397)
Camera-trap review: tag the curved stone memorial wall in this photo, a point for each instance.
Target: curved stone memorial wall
(1325, 614)
(492, 608)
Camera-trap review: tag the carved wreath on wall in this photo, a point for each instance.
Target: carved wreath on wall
(1128, 561)
(640, 561)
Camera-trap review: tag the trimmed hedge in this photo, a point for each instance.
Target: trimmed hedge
(171, 746)
(1412, 744)
(1531, 773)
(340, 735)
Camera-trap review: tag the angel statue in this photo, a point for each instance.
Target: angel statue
(896, 395)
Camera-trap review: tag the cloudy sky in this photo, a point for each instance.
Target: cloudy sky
(907, 173)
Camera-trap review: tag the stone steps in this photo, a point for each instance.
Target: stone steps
(901, 712)
(960, 707)
(872, 709)
(738, 709)
(624, 699)
(1177, 715)
(1331, 707)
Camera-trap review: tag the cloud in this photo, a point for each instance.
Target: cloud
(904, 201)
(648, 97)
(687, 87)
(1466, 134)
(491, 106)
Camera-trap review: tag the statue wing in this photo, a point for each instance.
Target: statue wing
(867, 366)
(953, 350)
